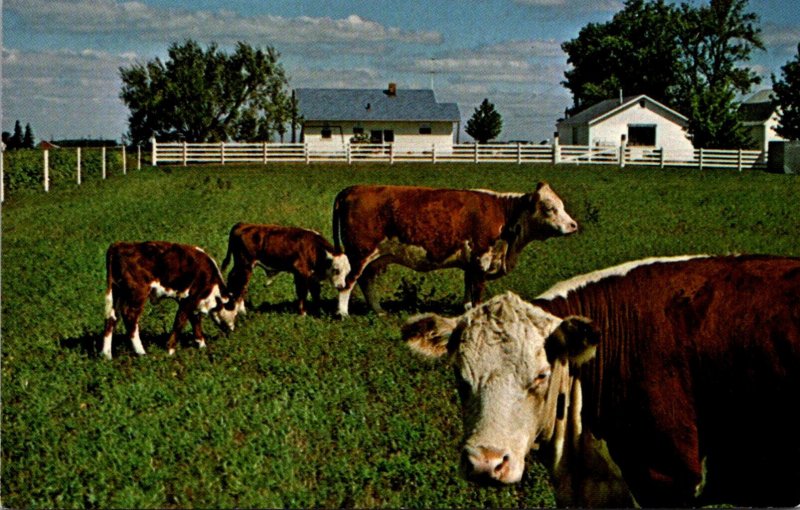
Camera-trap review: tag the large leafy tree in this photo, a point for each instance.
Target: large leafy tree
(485, 124)
(206, 95)
(636, 52)
(716, 39)
(787, 92)
(689, 57)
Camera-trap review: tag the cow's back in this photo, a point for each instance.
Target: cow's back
(436, 220)
(698, 367)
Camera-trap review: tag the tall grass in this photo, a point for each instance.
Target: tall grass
(291, 411)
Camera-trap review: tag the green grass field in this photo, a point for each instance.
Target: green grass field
(290, 411)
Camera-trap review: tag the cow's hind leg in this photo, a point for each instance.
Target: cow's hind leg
(110, 325)
(130, 315)
(367, 284)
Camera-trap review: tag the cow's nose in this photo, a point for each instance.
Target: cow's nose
(572, 227)
(487, 463)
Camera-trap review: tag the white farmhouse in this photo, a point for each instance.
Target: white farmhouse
(638, 121)
(410, 117)
(759, 115)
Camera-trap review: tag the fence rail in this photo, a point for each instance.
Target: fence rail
(224, 153)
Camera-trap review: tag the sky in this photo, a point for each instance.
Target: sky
(61, 58)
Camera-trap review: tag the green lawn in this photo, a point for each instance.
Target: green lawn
(291, 411)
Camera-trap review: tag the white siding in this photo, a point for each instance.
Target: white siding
(405, 133)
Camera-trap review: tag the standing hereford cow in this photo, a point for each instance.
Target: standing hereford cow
(479, 231)
(304, 253)
(157, 269)
(671, 382)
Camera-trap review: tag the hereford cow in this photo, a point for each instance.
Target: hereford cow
(664, 382)
(479, 231)
(136, 271)
(304, 253)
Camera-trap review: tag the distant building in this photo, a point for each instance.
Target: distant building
(639, 121)
(759, 115)
(45, 145)
(403, 116)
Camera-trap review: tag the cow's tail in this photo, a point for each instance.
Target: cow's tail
(109, 297)
(228, 254)
(338, 211)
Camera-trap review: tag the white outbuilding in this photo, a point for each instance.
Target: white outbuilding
(759, 115)
(637, 121)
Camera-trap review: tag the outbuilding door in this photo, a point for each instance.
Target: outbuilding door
(642, 135)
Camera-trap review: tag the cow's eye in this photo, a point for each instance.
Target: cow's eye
(539, 381)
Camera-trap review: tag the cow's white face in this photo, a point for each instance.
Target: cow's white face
(224, 310)
(549, 218)
(338, 270)
(511, 364)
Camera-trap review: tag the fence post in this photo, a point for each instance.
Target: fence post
(433, 153)
(185, 153)
(154, 152)
(622, 147)
(556, 152)
(739, 160)
(391, 154)
(701, 159)
(138, 157)
(349, 154)
(519, 153)
(476, 151)
(661, 158)
(103, 165)
(307, 153)
(124, 161)
(46, 170)
(78, 165)
(222, 152)
(265, 152)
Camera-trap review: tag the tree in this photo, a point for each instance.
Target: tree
(787, 92)
(687, 57)
(203, 96)
(28, 141)
(15, 142)
(636, 52)
(485, 124)
(716, 39)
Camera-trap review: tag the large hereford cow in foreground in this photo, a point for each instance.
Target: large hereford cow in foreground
(304, 253)
(157, 269)
(672, 382)
(479, 231)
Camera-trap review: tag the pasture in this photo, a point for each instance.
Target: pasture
(289, 411)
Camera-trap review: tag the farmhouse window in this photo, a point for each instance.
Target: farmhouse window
(425, 129)
(326, 132)
(376, 136)
(642, 135)
(358, 130)
(388, 135)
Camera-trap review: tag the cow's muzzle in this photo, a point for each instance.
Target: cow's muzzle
(488, 465)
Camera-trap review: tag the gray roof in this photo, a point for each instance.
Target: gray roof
(757, 108)
(374, 104)
(603, 108)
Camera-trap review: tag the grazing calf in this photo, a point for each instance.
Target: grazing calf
(665, 382)
(304, 253)
(479, 231)
(156, 269)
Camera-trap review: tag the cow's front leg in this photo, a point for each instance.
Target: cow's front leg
(185, 307)
(197, 327)
(301, 289)
(314, 289)
(474, 283)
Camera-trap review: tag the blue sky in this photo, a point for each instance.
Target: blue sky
(60, 58)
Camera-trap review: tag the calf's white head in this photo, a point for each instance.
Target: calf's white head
(338, 269)
(511, 362)
(546, 216)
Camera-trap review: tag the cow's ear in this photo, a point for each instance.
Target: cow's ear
(575, 338)
(430, 334)
(541, 185)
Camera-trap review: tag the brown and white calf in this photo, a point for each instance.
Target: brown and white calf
(304, 253)
(479, 231)
(157, 269)
(664, 382)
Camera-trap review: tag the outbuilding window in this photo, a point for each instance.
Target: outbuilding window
(425, 129)
(326, 133)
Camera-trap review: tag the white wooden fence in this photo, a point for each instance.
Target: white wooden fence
(263, 152)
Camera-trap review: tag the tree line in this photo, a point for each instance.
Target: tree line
(691, 58)
(18, 140)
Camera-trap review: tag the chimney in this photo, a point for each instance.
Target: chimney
(392, 90)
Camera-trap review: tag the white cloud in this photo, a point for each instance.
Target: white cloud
(783, 39)
(583, 6)
(223, 26)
